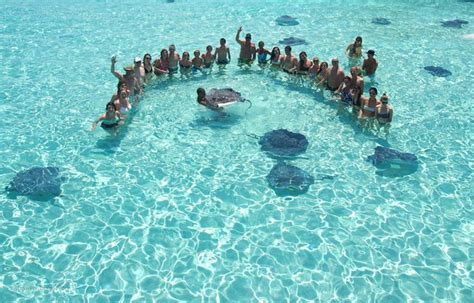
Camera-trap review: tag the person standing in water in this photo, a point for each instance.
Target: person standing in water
(289, 62)
(335, 75)
(370, 64)
(222, 53)
(128, 77)
(208, 57)
(355, 49)
(173, 59)
(262, 53)
(247, 48)
(383, 111)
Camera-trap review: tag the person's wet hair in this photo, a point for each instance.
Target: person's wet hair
(288, 48)
(120, 84)
(359, 90)
(347, 78)
(223, 40)
(273, 54)
(324, 63)
(359, 38)
(200, 91)
(164, 50)
(373, 89)
(147, 55)
(301, 62)
(109, 104)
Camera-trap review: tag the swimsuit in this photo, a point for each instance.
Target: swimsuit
(173, 70)
(368, 109)
(124, 109)
(110, 123)
(185, 68)
(225, 61)
(148, 71)
(346, 97)
(262, 57)
(385, 115)
(275, 61)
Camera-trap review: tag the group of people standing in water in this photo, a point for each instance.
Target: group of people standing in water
(347, 89)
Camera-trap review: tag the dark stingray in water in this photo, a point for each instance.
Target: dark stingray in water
(289, 180)
(292, 41)
(283, 143)
(381, 21)
(392, 163)
(438, 71)
(36, 182)
(286, 20)
(454, 23)
(223, 96)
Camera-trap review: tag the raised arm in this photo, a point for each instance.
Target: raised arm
(237, 36)
(113, 71)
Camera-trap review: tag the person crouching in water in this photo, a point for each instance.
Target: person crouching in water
(201, 99)
(110, 120)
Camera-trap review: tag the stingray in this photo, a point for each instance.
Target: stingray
(36, 182)
(224, 96)
(438, 71)
(283, 143)
(468, 37)
(289, 180)
(392, 163)
(381, 21)
(292, 41)
(286, 20)
(454, 23)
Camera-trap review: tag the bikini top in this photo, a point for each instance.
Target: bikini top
(147, 71)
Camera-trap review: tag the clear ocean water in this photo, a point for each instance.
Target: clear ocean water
(177, 207)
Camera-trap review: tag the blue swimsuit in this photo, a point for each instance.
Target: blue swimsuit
(262, 58)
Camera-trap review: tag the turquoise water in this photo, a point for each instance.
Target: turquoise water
(177, 207)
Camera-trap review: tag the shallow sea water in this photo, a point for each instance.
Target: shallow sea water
(177, 207)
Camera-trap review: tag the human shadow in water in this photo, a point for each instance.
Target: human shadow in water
(216, 120)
